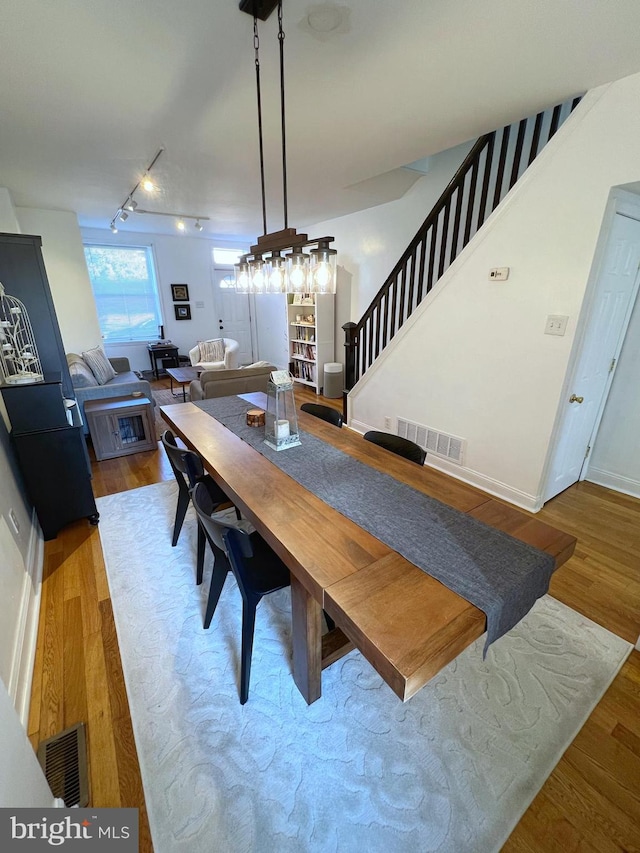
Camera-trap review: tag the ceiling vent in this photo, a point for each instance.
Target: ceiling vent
(439, 443)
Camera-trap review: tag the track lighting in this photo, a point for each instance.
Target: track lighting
(129, 203)
(179, 217)
(147, 183)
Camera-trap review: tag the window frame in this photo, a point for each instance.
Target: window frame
(152, 277)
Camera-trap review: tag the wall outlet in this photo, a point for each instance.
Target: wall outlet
(556, 324)
(387, 423)
(499, 274)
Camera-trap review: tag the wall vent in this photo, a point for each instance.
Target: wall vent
(63, 759)
(439, 443)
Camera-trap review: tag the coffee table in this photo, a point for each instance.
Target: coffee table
(182, 376)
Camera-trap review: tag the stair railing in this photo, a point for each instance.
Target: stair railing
(488, 172)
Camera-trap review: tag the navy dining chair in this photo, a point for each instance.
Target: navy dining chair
(398, 445)
(257, 569)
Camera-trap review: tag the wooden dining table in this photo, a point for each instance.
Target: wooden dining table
(406, 623)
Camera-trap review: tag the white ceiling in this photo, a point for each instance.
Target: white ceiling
(91, 89)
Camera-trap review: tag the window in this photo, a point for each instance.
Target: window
(227, 257)
(125, 291)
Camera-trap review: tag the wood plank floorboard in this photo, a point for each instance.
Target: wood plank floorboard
(591, 801)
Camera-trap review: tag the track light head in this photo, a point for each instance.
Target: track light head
(124, 215)
(180, 225)
(199, 225)
(114, 228)
(131, 204)
(147, 184)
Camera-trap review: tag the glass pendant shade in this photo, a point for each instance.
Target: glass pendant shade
(297, 271)
(276, 274)
(322, 270)
(258, 278)
(242, 277)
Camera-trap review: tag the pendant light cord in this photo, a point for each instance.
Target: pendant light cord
(256, 47)
(282, 116)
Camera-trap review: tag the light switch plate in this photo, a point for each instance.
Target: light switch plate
(556, 324)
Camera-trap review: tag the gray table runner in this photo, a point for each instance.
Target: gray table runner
(494, 571)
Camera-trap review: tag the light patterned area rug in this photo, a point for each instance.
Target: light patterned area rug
(452, 770)
(164, 397)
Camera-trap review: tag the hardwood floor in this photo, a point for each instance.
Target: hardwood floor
(591, 802)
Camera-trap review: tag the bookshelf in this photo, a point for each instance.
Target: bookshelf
(310, 322)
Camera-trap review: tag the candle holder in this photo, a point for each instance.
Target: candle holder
(281, 420)
(19, 361)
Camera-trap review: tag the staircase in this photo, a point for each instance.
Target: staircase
(489, 171)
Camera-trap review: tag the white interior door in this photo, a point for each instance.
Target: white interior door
(610, 312)
(233, 313)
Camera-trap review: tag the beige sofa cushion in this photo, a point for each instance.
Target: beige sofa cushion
(226, 383)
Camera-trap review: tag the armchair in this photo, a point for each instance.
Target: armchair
(230, 361)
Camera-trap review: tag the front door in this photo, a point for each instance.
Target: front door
(232, 313)
(613, 301)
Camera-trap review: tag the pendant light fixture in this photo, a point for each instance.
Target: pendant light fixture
(297, 271)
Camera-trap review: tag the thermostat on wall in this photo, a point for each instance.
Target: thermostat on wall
(499, 274)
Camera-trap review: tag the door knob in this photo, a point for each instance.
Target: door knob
(574, 399)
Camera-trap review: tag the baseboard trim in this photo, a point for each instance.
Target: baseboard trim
(493, 487)
(616, 482)
(27, 632)
(500, 490)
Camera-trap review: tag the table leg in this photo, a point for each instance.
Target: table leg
(306, 619)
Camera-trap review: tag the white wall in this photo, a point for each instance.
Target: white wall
(22, 782)
(369, 243)
(615, 458)
(20, 553)
(67, 273)
(473, 360)
(179, 260)
(8, 219)
(270, 326)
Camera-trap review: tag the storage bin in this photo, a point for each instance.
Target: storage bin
(333, 380)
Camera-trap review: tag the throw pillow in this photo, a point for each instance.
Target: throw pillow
(99, 364)
(211, 351)
(81, 375)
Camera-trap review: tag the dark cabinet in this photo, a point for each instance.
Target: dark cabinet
(46, 430)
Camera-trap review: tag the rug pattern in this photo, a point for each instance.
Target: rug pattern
(164, 397)
(453, 769)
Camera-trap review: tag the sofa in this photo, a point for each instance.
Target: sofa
(231, 356)
(123, 384)
(226, 383)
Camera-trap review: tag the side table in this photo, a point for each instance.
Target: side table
(160, 352)
(120, 425)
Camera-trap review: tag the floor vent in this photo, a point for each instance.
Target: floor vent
(439, 443)
(63, 759)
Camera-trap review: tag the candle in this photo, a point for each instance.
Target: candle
(282, 429)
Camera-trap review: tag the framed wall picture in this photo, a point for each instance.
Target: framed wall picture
(183, 312)
(180, 292)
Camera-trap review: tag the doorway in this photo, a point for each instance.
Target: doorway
(233, 312)
(611, 302)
